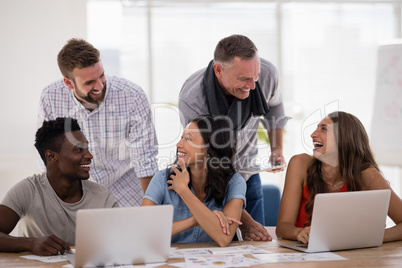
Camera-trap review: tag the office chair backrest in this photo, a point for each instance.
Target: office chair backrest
(272, 199)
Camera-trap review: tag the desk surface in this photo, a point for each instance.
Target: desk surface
(389, 254)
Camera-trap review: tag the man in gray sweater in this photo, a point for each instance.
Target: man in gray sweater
(244, 87)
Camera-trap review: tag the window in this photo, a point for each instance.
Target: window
(326, 52)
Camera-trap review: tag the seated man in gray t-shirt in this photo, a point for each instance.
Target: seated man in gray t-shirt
(46, 204)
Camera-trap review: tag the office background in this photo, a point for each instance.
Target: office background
(325, 51)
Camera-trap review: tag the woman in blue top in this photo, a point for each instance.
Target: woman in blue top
(208, 196)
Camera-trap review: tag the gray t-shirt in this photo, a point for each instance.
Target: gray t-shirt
(43, 213)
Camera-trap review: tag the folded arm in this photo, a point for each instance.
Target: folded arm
(178, 226)
(209, 222)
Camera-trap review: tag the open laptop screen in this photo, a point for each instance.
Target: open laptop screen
(346, 220)
(117, 236)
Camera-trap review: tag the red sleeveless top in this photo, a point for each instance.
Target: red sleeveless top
(303, 217)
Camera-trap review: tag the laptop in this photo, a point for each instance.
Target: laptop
(346, 220)
(121, 236)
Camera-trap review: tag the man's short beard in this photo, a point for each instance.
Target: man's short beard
(88, 97)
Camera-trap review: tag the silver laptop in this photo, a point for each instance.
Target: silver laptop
(346, 220)
(118, 236)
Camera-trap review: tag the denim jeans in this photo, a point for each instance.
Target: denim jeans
(254, 199)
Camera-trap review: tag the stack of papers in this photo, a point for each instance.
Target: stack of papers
(219, 257)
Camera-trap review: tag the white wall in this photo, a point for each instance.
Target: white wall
(31, 35)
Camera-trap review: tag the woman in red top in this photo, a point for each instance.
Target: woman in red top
(342, 161)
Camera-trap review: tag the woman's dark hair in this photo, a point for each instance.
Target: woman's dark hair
(220, 142)
(354, 156)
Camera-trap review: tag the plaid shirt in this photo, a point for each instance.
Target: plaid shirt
(120, 132)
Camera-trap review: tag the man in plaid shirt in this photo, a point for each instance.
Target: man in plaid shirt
(114, 115)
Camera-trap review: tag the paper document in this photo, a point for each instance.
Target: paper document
(258, 168)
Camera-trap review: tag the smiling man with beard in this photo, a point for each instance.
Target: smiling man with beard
(46, 204)
(114, 115)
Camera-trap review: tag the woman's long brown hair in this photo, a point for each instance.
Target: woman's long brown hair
(354, 156)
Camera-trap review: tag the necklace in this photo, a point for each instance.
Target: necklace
(334, 186)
